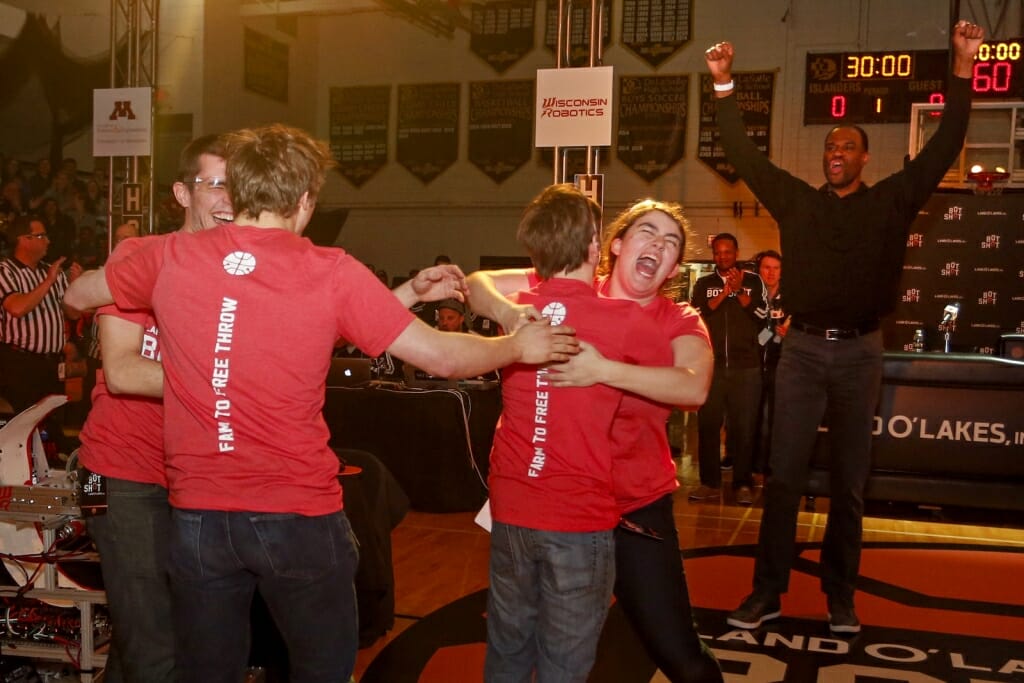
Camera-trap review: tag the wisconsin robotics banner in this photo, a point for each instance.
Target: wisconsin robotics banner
(501, 32)
(428, 128)
(969, 250)
(652, 123)
(755, 92)
(500, 126)
(359, 130)
(655, 29)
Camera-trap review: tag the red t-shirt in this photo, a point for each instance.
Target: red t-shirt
(249, 319)
(643, 467)
(123, 435)
(551, 463)
(644, 470)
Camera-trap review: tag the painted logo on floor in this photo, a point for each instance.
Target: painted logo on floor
(943, 614)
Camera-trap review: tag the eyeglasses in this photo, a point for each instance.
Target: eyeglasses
(37, 236)
(212, 184)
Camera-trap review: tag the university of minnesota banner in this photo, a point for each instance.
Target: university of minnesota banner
(428, 128)
(500, 126)
(655, 29)
(579, 36)
(967, 250)
(755, 92)
(501, 31)
(652, 123)
(359, 130)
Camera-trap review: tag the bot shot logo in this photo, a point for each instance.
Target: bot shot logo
(955, 213)
(990, 242)
(951, 269)
(987, 298)
(912, 296)
(915, 240)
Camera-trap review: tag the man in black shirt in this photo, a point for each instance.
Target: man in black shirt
(844, 246)
(733, 305)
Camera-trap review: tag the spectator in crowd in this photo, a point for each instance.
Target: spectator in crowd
(60, 228)
(733, 304)
(451, 316)
(769, 266)
(40, 182)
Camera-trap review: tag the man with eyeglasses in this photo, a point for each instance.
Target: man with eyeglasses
(122, 441)
(32, 320)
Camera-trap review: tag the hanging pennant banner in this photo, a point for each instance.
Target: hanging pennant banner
(754, 93)
(359, 130)
(652, 123)
(579, 29)
(655, 29)
(428, 128)
(501, 33)
(500, 126)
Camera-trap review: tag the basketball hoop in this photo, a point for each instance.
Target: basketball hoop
(988, 182)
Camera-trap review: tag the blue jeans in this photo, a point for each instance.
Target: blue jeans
(132, 539)
(836, 382)
(304, 568)
(547, 603)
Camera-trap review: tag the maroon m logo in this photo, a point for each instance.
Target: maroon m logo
(122, 110)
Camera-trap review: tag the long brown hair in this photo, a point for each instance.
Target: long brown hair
(625, 220)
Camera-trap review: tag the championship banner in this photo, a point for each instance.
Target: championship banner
(754, 93)
(265, 65)
(579, 29)
(966, 250)
(501, 32)
(652, 123)
(428, 128)
(655, 29)
(359, 130)
(500, 126)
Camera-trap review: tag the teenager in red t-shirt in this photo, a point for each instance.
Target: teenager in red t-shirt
(551, 491)
(249, 314)
(643, 249)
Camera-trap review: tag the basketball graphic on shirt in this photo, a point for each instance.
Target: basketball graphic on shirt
(555, 311)
(239, 263)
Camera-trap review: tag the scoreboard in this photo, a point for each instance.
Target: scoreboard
(879, 87)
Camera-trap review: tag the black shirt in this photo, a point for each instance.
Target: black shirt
(844, 255)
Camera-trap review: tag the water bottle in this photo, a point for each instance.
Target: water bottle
(918, 344)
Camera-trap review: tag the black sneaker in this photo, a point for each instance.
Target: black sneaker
(842, 618)
(754, 611)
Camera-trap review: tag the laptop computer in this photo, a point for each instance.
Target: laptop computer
(349, 372)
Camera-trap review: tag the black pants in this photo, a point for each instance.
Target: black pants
(650, 585)
(734, 397)
(25, 378)
(838, 382)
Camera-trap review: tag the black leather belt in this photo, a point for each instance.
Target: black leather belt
(836, 333)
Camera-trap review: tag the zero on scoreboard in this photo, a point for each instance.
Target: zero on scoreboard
(879, 87)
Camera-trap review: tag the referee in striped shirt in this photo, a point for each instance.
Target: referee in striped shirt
(32, 319)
